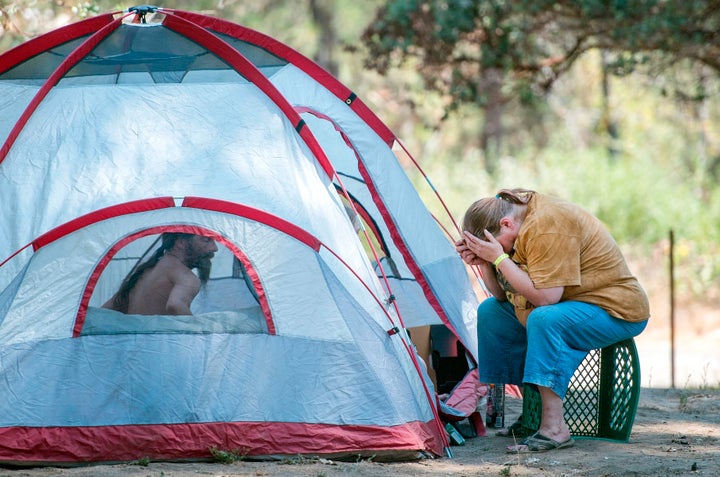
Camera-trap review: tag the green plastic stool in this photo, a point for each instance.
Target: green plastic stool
(602, 398)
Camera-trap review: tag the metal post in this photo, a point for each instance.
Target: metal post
(672, 309)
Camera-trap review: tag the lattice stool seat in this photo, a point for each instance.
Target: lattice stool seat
(602, 398)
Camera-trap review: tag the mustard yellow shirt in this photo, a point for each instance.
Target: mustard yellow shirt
(561, 244)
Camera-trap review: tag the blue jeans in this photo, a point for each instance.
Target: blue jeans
(549, 350)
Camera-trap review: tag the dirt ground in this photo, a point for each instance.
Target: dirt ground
(676, 433)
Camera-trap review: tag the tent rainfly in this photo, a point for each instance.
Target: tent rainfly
(127, 125)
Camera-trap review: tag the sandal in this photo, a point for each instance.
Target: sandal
(516, 429)
(539, 443)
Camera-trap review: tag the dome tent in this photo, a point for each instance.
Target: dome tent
(116, 130)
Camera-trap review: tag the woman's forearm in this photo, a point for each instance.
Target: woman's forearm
(490, 281)
(521, 282)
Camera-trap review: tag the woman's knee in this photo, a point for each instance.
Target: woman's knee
(541, 319)
(492, 313)
(489, 307)
(496, 320)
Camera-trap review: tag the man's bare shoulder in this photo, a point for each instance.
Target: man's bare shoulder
(183, 276)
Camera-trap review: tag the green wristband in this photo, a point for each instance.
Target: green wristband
(500, 259)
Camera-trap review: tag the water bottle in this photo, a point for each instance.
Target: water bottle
(495, 410)
(455, 436)
(499, 403)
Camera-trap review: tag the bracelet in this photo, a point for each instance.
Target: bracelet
(500, 259)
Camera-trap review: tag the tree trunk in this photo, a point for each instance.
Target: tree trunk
(322, 14)
(607, 123)
(490, 88)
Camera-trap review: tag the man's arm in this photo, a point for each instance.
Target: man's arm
(186, 286)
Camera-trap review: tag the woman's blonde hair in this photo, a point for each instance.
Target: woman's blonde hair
(485, 214)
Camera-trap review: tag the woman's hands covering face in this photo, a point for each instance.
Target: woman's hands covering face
(474, 250)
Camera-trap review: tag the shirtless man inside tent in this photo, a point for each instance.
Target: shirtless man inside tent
(165, 284)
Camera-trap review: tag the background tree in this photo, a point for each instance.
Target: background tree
(493, 53)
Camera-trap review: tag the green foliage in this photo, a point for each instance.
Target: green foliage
(299, 460)
(143, 462)
(227, 457)
(662, 174)
(507, 54)
(86, 9)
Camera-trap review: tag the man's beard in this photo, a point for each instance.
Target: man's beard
(203, 265)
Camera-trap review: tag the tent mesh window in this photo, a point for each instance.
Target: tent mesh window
(131, 49)
(39, 67)
(602, 397)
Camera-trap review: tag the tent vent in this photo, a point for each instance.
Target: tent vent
(142, 10)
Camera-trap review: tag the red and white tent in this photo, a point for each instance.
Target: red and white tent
(127, 125)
